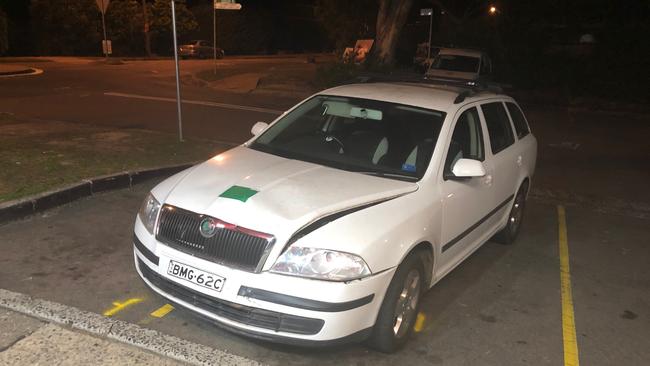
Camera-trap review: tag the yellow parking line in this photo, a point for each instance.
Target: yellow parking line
(419, 322)
(568, 321)
(119, 306)
(162, 311)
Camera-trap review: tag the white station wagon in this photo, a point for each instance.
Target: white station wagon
(330, 224)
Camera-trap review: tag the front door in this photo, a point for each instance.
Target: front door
(465, 202)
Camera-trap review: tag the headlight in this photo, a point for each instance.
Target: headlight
(148, 212)
(321, 263)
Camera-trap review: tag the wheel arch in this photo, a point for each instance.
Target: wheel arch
(425, 251)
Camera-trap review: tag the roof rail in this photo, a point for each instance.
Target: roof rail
(471, 87)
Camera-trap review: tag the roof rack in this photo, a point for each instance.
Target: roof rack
(471, 87)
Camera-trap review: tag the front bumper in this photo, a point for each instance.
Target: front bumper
(263, 305)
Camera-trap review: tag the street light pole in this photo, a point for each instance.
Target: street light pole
(214, 36)
(104, 28)
(430, 31)
(178, 77)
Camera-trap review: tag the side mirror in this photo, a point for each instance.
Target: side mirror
(258, 128)
(468, 168)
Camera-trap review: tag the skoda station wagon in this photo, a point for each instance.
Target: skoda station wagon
(330, 224)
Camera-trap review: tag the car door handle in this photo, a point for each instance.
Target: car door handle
(519, 160)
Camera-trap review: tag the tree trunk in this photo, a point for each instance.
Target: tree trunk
(390, 20)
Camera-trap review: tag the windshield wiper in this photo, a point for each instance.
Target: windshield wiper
(388, 175)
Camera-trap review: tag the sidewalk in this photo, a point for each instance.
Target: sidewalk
(41, 332)
(28, 341)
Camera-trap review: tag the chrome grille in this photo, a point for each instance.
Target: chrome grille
(231, 245)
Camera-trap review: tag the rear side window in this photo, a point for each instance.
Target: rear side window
(521, 127)
(498, 125)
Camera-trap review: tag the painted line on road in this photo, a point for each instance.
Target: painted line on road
(196, 102)
(162, 311)
(419, 322)
(568, 319)
(119, 306)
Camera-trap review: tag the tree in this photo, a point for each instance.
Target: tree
(346, 21)
(4, 33)
(66, 27)
(124, 27)
(391, 17)
(161, 24)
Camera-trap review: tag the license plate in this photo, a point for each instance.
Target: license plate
(195, 275)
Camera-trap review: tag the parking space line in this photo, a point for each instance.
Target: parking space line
(162, 311)
(568, 320)
(419, 322)
(119, 306)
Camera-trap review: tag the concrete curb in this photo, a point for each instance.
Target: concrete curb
(132, 334)
(18, 209)
(24, 72)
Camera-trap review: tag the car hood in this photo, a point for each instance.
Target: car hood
(289, 193)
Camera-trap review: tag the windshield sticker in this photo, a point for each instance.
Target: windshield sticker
(238, 193)
(408, 168)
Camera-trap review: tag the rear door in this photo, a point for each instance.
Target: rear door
(504, 158)
(527, 144)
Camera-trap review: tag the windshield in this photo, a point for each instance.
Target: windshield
(455, 63)
(367, 136)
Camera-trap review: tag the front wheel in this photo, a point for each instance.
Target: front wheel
(399, 310)
(509, 233)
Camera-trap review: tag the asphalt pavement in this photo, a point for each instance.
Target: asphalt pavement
(75, 90)
(502, 306)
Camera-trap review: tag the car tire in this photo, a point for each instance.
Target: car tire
(400, 307)
(509, 233)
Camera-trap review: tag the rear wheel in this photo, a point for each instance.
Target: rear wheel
(399, 310)
(509, 233)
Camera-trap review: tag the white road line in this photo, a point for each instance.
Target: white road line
(196, 102)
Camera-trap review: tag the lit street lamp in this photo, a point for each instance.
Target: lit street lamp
(493, 10)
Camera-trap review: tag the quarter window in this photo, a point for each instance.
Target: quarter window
(498, 125)
(466, 141)
(521, 127)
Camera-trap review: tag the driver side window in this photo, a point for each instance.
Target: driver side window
(466, 141)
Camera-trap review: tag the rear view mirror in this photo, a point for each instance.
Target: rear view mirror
(468, 168)
(258, 128)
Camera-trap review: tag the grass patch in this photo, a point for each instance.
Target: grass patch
(40, 156)
(335, 74)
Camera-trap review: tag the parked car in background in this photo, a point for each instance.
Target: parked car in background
(424, 56)
(456, 64)
(199, 49)
(330, 224)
